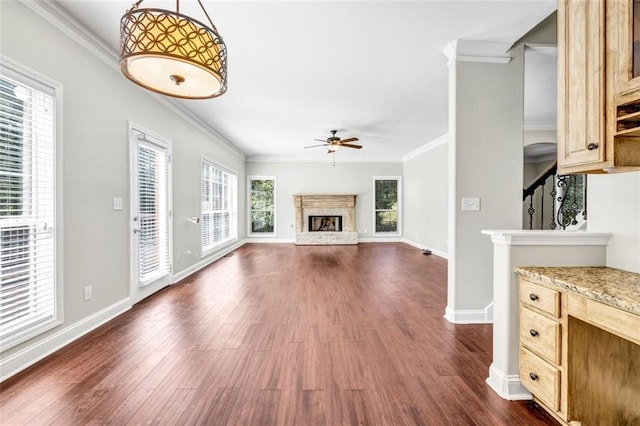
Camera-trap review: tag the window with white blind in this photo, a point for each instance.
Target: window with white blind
(219, 206)
(387, 196)
(29, 297)
(262, 205)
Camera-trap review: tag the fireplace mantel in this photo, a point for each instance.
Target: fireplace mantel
(325, 204)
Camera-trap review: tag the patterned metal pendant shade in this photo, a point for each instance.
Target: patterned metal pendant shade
(172, 54)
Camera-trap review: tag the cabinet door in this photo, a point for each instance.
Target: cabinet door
(624, 35)
(623, 81)
(581, 84)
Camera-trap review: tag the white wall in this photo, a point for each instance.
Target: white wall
(426, 196)
(486, 157)
(539, 136)
(323, 178)
(98, 103)
(613, 203)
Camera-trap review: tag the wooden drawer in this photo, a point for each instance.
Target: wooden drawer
(539, 297)
(540, 334)
(541, 378)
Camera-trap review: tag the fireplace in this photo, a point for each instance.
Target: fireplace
(325, 224)
(325, 219)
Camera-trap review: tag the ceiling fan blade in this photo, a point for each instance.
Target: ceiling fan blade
(348, 145)
(349, 140)
(320, 140)
(314, 146)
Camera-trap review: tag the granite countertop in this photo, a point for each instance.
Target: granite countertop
(614, 287)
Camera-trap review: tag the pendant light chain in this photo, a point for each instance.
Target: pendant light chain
(207, 15)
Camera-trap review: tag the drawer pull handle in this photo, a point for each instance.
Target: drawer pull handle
(533, 332)
(533, 297)
(533, 376)
(592, 146)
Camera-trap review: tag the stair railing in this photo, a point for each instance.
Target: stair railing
(568, 199)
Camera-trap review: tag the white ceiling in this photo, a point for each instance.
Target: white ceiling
(297, 69)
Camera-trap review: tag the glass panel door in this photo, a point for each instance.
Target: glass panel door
(151, 214)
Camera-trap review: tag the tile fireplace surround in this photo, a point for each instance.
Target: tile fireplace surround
(325, 205)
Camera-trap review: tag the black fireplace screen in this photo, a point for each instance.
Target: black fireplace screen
(325, 223)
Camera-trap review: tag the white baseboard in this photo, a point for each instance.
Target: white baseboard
(507, 386)
(207, 261)
(488, 313)
(470, 316)
(379, 239)
(423, 247)
(31, 354)
(264, 240)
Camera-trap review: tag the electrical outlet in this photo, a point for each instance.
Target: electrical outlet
(117, 203)
(471, 204)
(87, 293)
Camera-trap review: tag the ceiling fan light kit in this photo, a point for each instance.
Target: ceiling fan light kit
(173, 54)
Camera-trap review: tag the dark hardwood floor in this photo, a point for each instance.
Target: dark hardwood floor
(278, 334)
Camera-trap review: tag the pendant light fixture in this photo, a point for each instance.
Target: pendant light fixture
(172, 54)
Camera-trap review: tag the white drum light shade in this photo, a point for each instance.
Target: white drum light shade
(172, 54)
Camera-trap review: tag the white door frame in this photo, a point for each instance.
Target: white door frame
(138, 134)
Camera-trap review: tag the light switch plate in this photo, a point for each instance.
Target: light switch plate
(117, 203)
(471, 204)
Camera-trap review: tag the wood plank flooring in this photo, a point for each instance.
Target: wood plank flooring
(275, 334)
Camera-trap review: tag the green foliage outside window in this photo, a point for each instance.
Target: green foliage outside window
(386, 205)
(262, 205)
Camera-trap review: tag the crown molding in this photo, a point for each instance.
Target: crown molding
(56, 15)
(427, 147)
(329, 160)
(496, 52)
(53, 13)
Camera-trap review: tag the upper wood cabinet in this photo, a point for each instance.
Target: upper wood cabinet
(598, 87)
(624, 50)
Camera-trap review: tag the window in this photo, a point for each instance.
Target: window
(219, 206)
(262, 209)
(30, 301)
(387, 204)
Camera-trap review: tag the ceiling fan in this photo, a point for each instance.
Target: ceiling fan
(334, 143)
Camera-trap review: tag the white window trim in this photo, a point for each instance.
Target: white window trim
(204, 253)
(275, 189)
(27, 76)
(399, 231)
